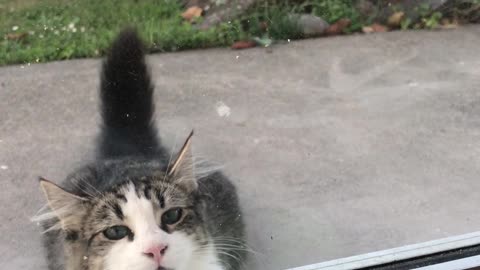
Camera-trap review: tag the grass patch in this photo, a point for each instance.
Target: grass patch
(84, 28)
(47, 30)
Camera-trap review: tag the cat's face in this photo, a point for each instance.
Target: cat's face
(154, 222)
(148, 225)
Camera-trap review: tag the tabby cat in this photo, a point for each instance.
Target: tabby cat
(137, 207)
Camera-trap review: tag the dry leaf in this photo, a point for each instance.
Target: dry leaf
(374, 28)
(396, 19)
(367, 29)
(16, 36)
(449, 24)
(379, 28)
(338, 27)
(192, 13)
(239, 45)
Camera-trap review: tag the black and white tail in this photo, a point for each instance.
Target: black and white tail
(126, 101)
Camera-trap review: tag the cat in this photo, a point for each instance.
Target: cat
(135, 207)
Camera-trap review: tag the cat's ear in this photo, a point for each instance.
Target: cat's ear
(182, 169)
(67, 207)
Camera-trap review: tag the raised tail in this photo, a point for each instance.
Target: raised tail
(126, 101)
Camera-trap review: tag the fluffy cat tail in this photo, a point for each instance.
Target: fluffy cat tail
(126, 101)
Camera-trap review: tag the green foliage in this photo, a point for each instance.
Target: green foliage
(433, 20)
(429, 19)
(84, 28)
(333, 10)
(406, 23)
(277, 20)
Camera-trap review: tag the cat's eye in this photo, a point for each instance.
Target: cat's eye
(172, 216)
(116, 232)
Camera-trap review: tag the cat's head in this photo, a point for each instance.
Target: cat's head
(151, 223)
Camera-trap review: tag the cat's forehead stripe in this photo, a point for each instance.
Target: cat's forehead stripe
(118, 211)
(160, 198)
(121, 197)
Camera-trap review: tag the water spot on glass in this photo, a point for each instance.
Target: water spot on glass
(4, 167)
(288, 40)
(15, 28)
(222, 109)
(413, 84)
(85, 258)
(22, 66)
(238, 56)
(28, 64)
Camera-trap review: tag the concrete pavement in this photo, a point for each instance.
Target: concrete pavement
(338, 146)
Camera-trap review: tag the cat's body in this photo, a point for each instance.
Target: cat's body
(137, 207)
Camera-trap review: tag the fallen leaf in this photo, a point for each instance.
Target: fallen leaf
(449, 24)
(192, 13)
(395, 19)
(367, 29)
(240, 45)
(338, 27)
(374, 28)
(16, 36)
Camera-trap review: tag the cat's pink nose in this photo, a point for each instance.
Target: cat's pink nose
(156, 252)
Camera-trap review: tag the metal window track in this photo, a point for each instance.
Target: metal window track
(457, 252)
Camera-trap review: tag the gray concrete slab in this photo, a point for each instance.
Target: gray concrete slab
(339, 146)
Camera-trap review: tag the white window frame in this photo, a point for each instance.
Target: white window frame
(405, 253)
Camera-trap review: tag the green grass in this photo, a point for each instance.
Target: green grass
(65, 29)
(84, 28)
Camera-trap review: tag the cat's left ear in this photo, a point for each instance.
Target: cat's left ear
(67, 206)
(182, 169)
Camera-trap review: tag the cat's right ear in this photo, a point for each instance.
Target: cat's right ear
(66, 206)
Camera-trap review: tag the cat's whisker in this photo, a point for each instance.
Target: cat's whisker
(97, 192)
(234, 241)
(78, 185)
(171, 155)
(224, 253)
(231, 248)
